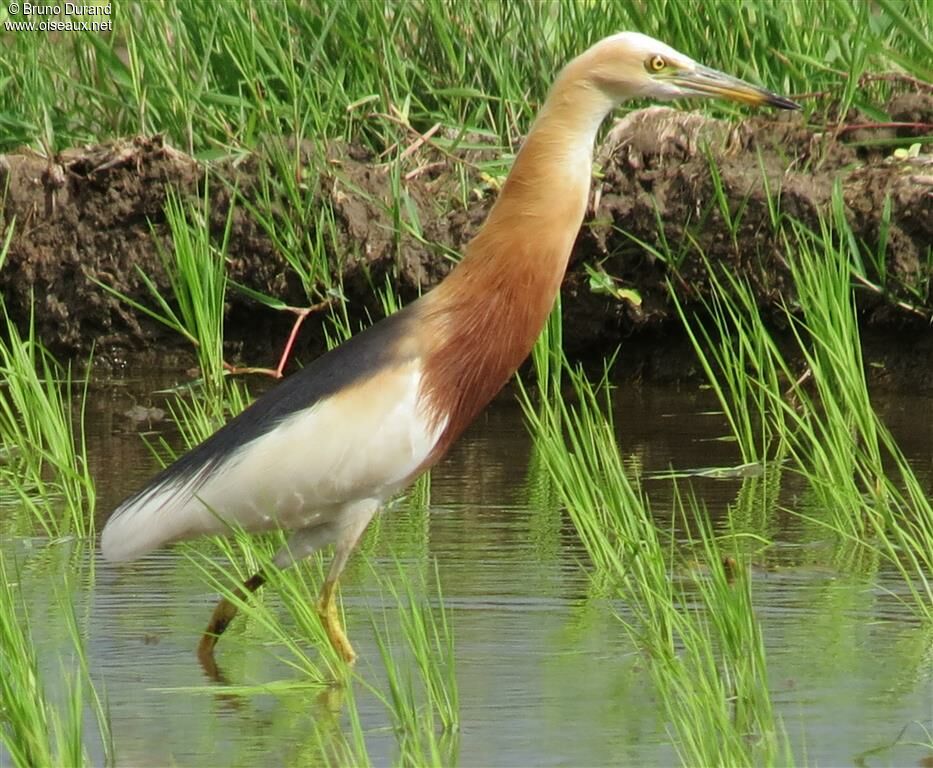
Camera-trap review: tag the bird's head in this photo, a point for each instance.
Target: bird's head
(632, 65)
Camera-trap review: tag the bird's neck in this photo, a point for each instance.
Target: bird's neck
(485, 317)
(532, 226)
(550, 178)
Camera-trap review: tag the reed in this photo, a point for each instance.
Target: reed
(419, 662)
(811, 403)
(196, 271)
(702, 640)
(35, 728)
(44, 469)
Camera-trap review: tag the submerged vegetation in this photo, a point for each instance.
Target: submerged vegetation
(679, 578)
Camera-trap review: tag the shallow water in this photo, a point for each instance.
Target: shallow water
(547, 675)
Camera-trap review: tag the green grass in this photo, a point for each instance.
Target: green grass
(285, 203)
(703, 645)
(198, 414)
(196, 271)
(44, 470)
(218, 78)
(707, 659)
(817, 413)
(419, 661)
(43, 454)
(35, 727)
(722, 661)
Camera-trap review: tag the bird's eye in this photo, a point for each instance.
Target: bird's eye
(655, 63)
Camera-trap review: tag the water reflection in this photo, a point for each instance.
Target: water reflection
(546, 673)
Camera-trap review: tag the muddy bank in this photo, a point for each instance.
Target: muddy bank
(95, 214)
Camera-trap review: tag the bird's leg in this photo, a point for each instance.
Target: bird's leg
(330, 618)
(355, 519)
(223, 614)
(302, 543)
(346, 533)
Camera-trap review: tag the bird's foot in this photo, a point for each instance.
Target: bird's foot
(327, 610)
(221, 617)
(223, 614)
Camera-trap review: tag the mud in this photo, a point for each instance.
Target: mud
(93, 215)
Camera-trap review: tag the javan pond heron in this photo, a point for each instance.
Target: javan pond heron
(320, 453)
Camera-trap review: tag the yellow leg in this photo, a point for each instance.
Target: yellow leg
(222, 616)
(330, 618)
(354, 521)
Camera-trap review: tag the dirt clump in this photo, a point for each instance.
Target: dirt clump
(672, 189)
(86, 216)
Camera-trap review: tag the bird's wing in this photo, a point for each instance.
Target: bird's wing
(351, 425)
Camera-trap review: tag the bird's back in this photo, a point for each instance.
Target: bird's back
(346, 426)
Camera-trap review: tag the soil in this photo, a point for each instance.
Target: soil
(94, 215)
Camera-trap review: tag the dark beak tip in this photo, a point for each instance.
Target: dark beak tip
(782, 103)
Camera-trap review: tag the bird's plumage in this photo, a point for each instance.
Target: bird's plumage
(304, 417)
(333, 434)
(322, 451)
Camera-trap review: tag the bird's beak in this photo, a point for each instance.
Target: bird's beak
(703, 81)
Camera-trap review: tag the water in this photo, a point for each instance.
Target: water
(547, 675)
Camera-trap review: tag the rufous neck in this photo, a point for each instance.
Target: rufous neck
(550, 177)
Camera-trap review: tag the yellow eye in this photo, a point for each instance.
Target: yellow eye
(656, 63)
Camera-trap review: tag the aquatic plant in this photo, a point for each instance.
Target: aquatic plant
(422, 697)
(43, 453)
(818, 414)
(707, 660)
(196, 270)
(35, 729)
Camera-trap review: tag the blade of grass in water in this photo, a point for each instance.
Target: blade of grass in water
(422, 697)
(34, 729)
(822, 419)
(196, 271)
(707, 663)
(44, 468)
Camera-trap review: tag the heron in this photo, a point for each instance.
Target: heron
(322, 452)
